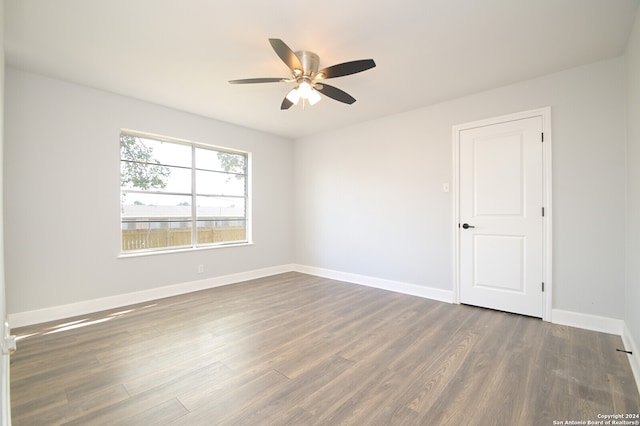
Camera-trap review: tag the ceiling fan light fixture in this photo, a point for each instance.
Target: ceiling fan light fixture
(314, 97)
(294, 96)
(305, 90)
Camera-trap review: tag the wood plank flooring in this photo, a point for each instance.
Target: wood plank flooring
(302, 350)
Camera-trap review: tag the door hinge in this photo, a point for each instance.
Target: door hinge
(543, 287)
(542, 137)
(543, 212)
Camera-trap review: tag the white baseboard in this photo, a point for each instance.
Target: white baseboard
(634, 358)
(587, 321)
(54, 313)
(397, 286)
(95, 305)
(573, 319)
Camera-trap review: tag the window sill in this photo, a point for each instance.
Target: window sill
(181, 250)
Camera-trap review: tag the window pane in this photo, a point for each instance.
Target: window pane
(220, 161)
(179, 181)
(156, 206)
(218, 183)
(152, 177)
(221, 231)
(172, 154)
(217, 207)
(155, 221)
(135, 148)
(150, 234)
(143, 176)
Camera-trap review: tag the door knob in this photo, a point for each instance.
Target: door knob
(467, 226)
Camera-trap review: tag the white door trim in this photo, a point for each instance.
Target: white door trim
(545, 114)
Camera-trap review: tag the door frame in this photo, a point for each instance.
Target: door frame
(545, 114)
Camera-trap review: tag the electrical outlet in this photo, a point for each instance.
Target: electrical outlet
(445, 187)
(200, 268)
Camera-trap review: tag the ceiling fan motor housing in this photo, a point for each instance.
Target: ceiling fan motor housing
(310, 62)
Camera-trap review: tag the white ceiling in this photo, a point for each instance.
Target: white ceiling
(181, 54)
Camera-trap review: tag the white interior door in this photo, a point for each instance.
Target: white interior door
(501, 216)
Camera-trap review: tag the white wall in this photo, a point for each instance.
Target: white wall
(632, 297)
(369, 200)
(62, 195)
(5, 407)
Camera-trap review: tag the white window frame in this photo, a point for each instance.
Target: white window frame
(193, 194)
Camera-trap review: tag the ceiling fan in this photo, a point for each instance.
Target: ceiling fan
(304, 72)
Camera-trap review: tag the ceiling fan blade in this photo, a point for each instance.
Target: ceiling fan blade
(286, 104)
(346, 68)
(286, 54)
(256, 80)
(335, 93)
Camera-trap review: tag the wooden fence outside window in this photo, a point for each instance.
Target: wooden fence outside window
(141, 239)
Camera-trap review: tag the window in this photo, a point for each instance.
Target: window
(176, 194)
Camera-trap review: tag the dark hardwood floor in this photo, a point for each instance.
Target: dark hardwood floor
(302, 350)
